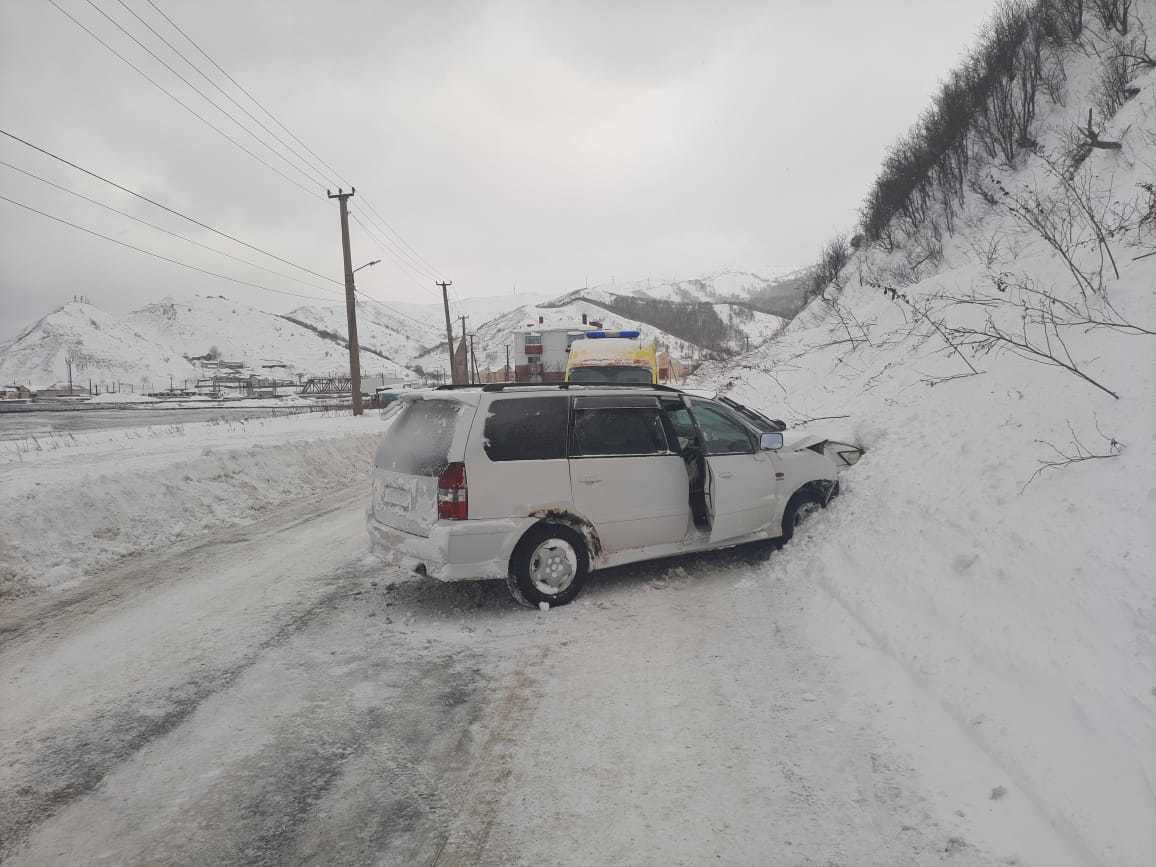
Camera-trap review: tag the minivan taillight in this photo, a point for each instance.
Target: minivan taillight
(453, 496)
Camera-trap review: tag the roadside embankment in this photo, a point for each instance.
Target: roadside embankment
(75, 503)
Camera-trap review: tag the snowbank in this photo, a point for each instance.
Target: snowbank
(1018, 596)
(122, 397)
(75, 503)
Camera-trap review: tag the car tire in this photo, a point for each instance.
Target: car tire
(550, 564)
(800, 507)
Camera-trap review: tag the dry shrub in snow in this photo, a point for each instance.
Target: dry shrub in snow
(834, 258)
(1113, 14)
(986, 110)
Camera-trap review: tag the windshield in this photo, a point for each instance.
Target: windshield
(610, 373)
(760, 421)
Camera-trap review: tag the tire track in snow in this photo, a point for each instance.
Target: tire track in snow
(1059, 823)
(60, 766)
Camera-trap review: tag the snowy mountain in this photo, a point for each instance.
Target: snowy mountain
(263, 341)
(479, 310)
(995, 542)
(722, 285)
(101, 348)
(152, 343)
(379, 329)
(722, 311)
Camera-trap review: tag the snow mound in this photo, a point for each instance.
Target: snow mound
(996, 540)
(75, 503)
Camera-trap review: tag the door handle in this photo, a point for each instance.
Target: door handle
(590, 481)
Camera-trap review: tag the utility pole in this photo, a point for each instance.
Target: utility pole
(68, 361)
(467, 359)
(474, 362)
(350, 301)
(445, 284)
(507, 362)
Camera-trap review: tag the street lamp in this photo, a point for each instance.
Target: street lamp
(366, 265)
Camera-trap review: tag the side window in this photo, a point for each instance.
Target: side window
(526, 429)
(618, 431)
(680, 421)
(723, 434)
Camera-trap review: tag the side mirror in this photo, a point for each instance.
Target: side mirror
(771, 441)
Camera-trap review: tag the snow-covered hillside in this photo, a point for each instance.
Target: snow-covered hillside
(997, 538)
(480, 309)
(721, 285)
(150, 344)
(101, 348)
(244, 333)
(378, 329)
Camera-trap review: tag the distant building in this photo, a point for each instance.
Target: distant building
(15, 392)
(539, 354)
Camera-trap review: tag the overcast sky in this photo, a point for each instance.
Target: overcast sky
(536, 143)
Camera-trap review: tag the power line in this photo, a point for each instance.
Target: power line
(204, 96)
(243, 90)
(391, 252)
(402, 239)
(158, 255)
(312, 177)
(413, 276)
(172, 211)
(368, 204)
(136, 219)
(174, 97)
(394, 310)
(399, 252)
(406, 246)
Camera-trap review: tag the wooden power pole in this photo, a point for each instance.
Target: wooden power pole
(350, 301)
(445, 284)
(469, 377)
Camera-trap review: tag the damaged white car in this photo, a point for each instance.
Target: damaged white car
(542, 484)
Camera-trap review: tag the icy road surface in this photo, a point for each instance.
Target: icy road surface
(271, 696)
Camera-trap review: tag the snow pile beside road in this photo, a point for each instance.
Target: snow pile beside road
(76, 503)
(1018, 595)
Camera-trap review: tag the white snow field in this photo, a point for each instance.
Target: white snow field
(148, 345)
(76, 502)
(1017, 597)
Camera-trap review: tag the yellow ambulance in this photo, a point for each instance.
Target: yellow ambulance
(612, 357)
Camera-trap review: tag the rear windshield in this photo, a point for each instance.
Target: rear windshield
(526, 429)
(418, 442)
(631, 375)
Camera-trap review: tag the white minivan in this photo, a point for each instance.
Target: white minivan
(541, 484)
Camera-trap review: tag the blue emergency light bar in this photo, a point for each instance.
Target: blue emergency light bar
(613, 334)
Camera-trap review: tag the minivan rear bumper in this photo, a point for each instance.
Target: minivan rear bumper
(471, 550)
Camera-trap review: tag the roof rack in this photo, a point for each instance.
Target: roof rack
(565, 386)
(503, 386)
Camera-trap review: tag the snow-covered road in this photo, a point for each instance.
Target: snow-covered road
(269, 695)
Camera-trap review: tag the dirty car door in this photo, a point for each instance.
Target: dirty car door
(627, 479)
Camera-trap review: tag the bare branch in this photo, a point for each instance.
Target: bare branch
(1076, 453)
